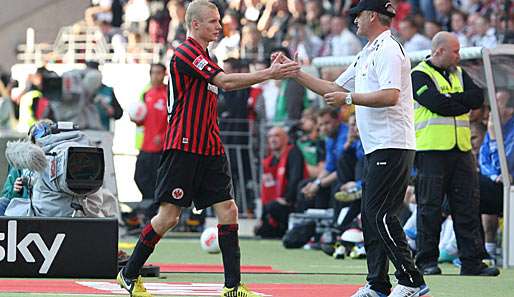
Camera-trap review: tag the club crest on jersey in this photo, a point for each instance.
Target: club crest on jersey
(200, 62)
(177, 193)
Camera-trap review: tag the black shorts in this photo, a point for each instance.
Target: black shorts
(491, 196)
(185, 177)
(145, 174)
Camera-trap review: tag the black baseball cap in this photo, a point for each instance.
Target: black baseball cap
(381, 6)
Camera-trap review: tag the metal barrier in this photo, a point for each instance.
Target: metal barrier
(246, 147)
(242, 149)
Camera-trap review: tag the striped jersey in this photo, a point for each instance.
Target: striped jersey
(192, 102)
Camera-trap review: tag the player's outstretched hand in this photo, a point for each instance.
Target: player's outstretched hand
(335, 99)
(282, 67)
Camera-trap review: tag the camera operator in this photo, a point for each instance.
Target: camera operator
(49, 199)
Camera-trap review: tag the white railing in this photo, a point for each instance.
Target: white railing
(79, 43)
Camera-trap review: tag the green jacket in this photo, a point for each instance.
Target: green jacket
(8, 189)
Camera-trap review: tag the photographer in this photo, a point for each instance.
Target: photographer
(52, 196)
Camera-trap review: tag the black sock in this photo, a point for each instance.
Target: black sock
(229, 246)
(144, 248)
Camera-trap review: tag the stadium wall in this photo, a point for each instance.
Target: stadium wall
(46, 16)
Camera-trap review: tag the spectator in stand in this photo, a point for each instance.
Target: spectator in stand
(114, 36)
(297, 11)
(177, 29)
(154, 123)
(403, 10)
(432, 28)
(425, 7)
(137, 13)
(229, 47)
(110, 11)
(412, 39)
(301, 40)
(310, 142)
(317, 193)
(349, 175)
(459, 20)
(313, 13)
(443, 12)
(282, 171)
(274, 20)
(342, 41)
(484, 34)
(492, 203)
(134, 48)
(325, 24)
(253, 9)
(156, 31)
(252, 48)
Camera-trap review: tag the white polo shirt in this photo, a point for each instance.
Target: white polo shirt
(381, 65)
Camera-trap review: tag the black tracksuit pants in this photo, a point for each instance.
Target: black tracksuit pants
(386, 176)
(450, 174)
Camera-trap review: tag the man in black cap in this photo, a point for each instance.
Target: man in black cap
(379, 84)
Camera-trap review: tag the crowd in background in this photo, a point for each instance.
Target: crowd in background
(313, 28)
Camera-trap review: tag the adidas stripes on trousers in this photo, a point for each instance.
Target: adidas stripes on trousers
(386, 176)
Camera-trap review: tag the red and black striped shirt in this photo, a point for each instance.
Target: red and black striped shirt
(192, 102)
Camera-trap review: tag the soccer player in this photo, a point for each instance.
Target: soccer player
(193, 166)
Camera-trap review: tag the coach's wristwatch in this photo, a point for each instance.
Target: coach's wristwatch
(348, 100)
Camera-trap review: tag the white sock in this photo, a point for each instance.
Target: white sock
(490, 247)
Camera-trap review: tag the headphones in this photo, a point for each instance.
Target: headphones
(39, 130)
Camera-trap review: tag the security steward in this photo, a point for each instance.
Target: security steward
(444, 94)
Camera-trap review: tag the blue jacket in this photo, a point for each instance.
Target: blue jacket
(335, 147)
(489, 159)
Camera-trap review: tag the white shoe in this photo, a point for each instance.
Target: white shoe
(404, 291)
(366, 291)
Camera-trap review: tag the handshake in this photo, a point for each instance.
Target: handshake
(283, 67)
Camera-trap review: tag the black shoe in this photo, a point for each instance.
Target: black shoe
(483, 270)
(328, 249)
(431, 270)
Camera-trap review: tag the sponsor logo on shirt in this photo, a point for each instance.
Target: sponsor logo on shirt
(212, 88)
(200, 62)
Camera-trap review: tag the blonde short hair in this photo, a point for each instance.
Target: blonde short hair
(195, 9)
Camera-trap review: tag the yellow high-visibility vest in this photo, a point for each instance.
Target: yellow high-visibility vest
(434, 131)
(26, 115)
(140, 130)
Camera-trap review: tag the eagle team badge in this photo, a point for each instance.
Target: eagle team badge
(177, 193)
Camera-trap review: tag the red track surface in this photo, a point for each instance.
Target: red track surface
(166, 267)
(170, 289)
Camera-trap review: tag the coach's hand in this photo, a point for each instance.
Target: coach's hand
(283, 69)
(335, 99)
